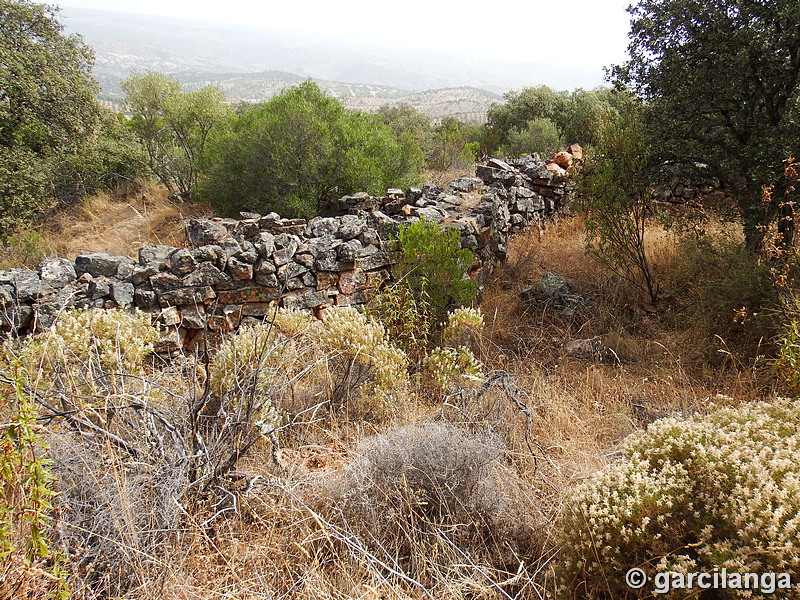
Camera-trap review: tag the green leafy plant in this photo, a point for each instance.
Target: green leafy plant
(432, 263)
(26, 486)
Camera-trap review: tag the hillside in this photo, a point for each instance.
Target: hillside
(255, 63)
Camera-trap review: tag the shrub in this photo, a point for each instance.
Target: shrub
(90, 348)
(407, 316)
(463, 326)
(433, 496)
(367, 360)
(453, 368)
(299, 151)
(435, 267)
(712, 492)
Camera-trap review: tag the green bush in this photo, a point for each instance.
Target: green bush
(538, 135)
(720, 491)
(433, 264)
(299, 151)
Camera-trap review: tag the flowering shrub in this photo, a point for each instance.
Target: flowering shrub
(716, 491)
(88, 349)
(446, 368)
(292, 321)
(365, 345)
(246, 369)
(463, 326)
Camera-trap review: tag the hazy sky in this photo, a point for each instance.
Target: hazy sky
(584, 33)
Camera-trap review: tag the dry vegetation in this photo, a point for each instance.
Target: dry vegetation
(117, 224)
(450, 497)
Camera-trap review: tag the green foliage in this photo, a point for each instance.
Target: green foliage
(728, 295)
(540, 136)
(48, 111)
(614, 195)
(576, 116)
(452, 145)
(722, 82)
(299, 151)
(718, 491)
(435, 267)
(173, 125)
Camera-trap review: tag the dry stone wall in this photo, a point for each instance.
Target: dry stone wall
(231, 271)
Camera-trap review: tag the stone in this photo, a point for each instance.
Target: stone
(100, 287)
(435, 215)
(265, 246)
(193, 317)
(394, 193)
(143, 273)
(164, 282)
(556, 169)
(466, 184)
(289, 270)
(257, 309)
(348, 251)
(244, 295)
(323, 226)
(308, 298)
(56, 273)
(359, 297)
(27, 284)
(374, 261)
(189, 295)
(145, 299)
(368, 237)
(307, 260)
(326, 279)
(170, 316)
(122, 293)
(206, 273)
(182, 262)
(201, 232)
(248, 230)
(16, 317)
(284, 255)
(154, 253)
(125, 268)
(98, 264)
(6, 294)
(352, 281)
(249, 254)
(350, 226)
(576, 151)
(563, 159)
(240, 270)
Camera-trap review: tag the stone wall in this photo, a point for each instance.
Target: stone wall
(232, 270)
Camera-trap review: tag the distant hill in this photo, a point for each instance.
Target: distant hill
(254, 64)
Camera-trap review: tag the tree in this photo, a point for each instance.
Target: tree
(614, 193)
(48, 111)
(302, 149)
(722, 84)
(173, 125)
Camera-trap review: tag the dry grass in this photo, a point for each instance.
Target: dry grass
(102, 222)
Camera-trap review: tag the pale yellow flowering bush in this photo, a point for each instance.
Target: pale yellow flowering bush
(248, 368)
(365, 344)
(690, 495)
(89, 349)
(292, 321)
(448, 368)
(463, 326)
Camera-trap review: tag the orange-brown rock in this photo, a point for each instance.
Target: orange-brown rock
(556, 169)
(563, 159)
(576, 150)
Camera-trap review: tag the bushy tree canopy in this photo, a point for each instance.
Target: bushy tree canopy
(573, 116)
(301, 150)
(722, 84)
(48, 111)
(173, 125)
